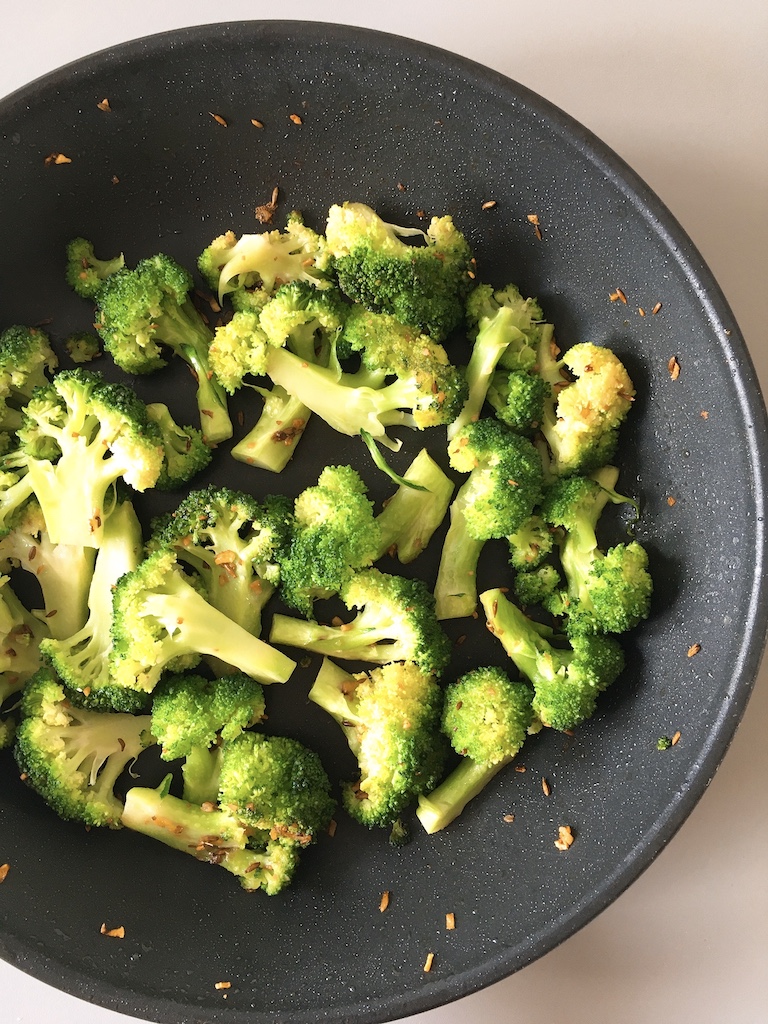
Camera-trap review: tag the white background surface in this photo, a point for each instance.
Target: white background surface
(680, 90)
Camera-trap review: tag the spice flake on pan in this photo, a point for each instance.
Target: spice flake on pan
(113, 933)
(4, 869)
(565, 837)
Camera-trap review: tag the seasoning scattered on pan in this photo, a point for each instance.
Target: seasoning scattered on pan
(56, 158)
(4, 869)
(617, 295)
(450, 922)
(428, 962)
(265, 212)
(384, 901)
(113, 933)
(104, 105)
(218, 119)
(674, 368)
(533, 218)
(693, 650)
(545, 787)
(488, 205)
(296, 119)
(565, 837)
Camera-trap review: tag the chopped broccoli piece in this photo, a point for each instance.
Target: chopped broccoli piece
(21, 634)
(663, 743)
(186, 452)
(391, 720)
(530, 544)
(395, 622)
(74, 757)
(83, 347)
(271, 442)
(486, 717)
(540, 587)
(517, 397)
(26, 357)
(85, 273)
(567, 681)
(410, 517)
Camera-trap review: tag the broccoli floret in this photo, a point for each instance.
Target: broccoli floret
(83, 347)
(395, 622)
(504, 484)
(335, 533)
(15, 492)
(81, 658)
(566, 681)
(606, 592)
(486, 717)
(582, 419)
(391, 720)
(80, 436)
(142, 310)
(530, 544)
(8, 724)
(233, 543)
(73, 757)
(410, 516)
(26, 357)
(21, 634)
(540, 587)
(423, 286)
(160, 620)
(517, 397)
(502, 324)
(186, 452)
(238, 349)
(304, 318)
(63, 571)
(85, 273)
(249, 269)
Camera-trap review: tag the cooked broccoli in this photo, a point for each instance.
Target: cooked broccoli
(504, 484)
(73, 757)
(391, 720)
(566, 682)
(271, 442)
(423, 286)
(83, 347)
(410, 516)
(335, 533)
(85, 273)
(517, 397)
(161, 621)
(26, 357)
(185, 450)
(15, 492)
(81, 658)
(274, 800)
(530, 544)
(503, 326)
(249, 269)
(395, 622)
(582, 419)
(606, 592)
(540, 586)
(80, 436)
(233, 543)
(20, 636)
(63, 571)
(486, 717)
(141, 311)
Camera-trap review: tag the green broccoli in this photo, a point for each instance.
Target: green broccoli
(272, 440)
(186, 452)
(486, 717)
(541, 586)
(161, 620)
(74, 757)
(80, 436)
(85, 273)
(81, 658)
(566, 682)
(582, 419)
(410, 517)
(423, 286)
(21, 634)
(233, 543)
(395, 621)
(141, 311)
(518, 398)
(334, 534)
(530, 544)
(83, 346)
(606, 592)
(391, 720)
(26, 357)
(504, 484)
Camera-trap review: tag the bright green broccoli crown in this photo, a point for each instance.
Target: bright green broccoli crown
(396, 621)
(486, 716)
(304, 317)
(239, 348)
(212, 835)
(566, 681)
(423, 286)
(73, 757)
(391, 719)
(186, 453)
(234, 543)
(615, 596)
(540, 587)
(276, 785)
(82, 347)
(81, 435)
(505, 478)
(530, 544)
(335, 533)
(522, 318)
(161, 621)
(582, 419)
(85, 273)
(517, 397)
(190, 711)
(26, 357)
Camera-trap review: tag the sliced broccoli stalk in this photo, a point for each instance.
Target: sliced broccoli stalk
(161, 621)
(185, 449)
(456, 583)
(272, 441)
(391, 720)
(200, 773)
(410, 517)
(85, 273)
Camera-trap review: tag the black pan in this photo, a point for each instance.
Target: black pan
(404, 127)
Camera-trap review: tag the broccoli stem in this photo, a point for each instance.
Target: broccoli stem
(456, 584)
(440, 807)
(272, 441)
(410, 517)
(215, 422)
(328, 694)
(200, 772)
(534, 656)
(360, 640)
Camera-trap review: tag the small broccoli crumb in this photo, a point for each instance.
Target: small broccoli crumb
(663, 743)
